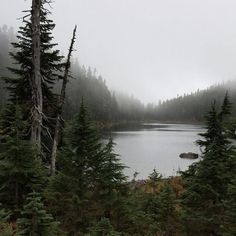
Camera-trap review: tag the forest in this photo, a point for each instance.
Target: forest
(115, 106)
(57, 175)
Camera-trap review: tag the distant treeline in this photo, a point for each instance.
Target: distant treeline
(194, 106)
(105, 105)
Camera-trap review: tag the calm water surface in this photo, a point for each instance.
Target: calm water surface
(157, 146)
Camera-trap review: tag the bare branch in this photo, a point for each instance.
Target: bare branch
(60, 105)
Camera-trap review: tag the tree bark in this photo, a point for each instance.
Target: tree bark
(60, 106)
(37, 97)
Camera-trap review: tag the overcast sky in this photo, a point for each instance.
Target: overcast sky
(152, 49)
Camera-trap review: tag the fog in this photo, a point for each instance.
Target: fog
(152, 49)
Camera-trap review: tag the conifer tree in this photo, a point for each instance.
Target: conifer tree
(154, 178)
(89, 180)
(207, 182)
(80, 162)
(111, 183)
(112, 170)
(103, 228)
(39, 112)
(20, 86)
(160, 208)
(34, 220)
(84, 140)
(229, 223)
(20, 171)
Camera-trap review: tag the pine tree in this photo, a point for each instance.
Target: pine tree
(154, 179)
(79, 165)
(206, 182)
(21, 87)
(214, 130)
(34, 220)
(226, 108)
(89, 180)
(160, 208)
(111, 183)
(103, 228)
(111, 172)
(229, 223)
(20, 170)
(85, 142)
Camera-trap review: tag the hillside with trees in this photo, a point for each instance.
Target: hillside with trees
(192, 107)
(109, 106)
(60, 178)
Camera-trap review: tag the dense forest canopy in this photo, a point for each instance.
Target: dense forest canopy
(192, 107)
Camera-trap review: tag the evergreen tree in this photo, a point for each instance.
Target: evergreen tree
(229, 223)
(154, 179)
(214, 131)
(90, 179)
(35, 221)
(20, 86)
(226, 108)
(103, 228)
(111, 183)
(160, 208)
(88, 152)
(20, 171)
(111, 172)
(79, 168)
(206, 182)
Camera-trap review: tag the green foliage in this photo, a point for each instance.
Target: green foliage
(103, 228)
(229, 223)
(34, 220)
(155, 176)
(100, 100)
(19, 85)
(90, 194)
(6, 229)
(20, 170)
(207, 182)
(160, 207)
(154, 179)
(90, 181)
(192, 107)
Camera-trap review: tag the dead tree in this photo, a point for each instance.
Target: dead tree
(61, 101)
(37, 97)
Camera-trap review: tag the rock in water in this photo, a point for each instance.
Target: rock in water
(189, 155)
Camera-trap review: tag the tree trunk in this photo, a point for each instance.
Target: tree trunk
(37, 98)
(60, 106)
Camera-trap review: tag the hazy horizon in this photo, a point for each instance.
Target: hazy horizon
(153, 50)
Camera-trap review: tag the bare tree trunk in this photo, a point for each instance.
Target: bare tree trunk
(37, 107)
(60, 106)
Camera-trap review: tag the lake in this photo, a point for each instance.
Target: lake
(155, 145)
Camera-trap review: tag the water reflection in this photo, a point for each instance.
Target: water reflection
(147, 146)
